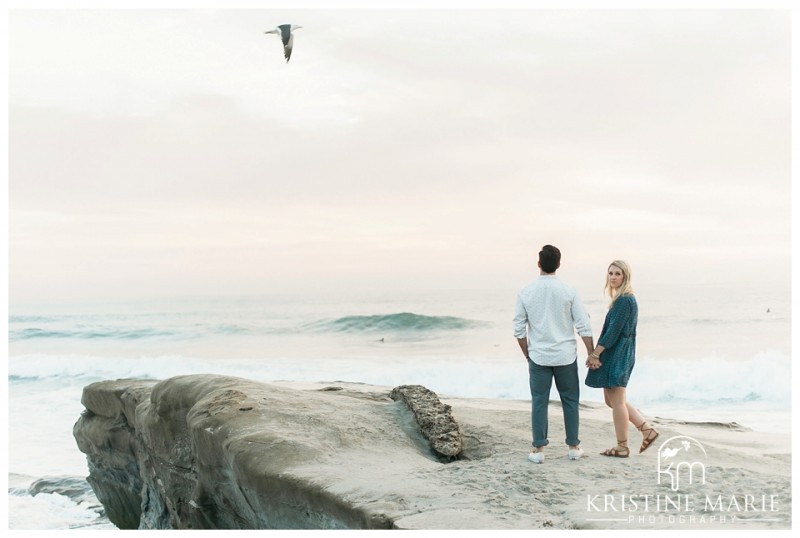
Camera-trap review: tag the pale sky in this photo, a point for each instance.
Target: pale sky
(174, 151)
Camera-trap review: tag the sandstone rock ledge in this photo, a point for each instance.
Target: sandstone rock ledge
(217, 452)
(214, 452)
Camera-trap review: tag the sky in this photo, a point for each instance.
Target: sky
(166, 152)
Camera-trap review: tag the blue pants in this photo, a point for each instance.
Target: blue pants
(568, 386)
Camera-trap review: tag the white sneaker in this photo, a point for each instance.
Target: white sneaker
(536, 457)
(575, 454)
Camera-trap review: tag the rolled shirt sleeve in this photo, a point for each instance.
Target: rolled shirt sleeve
(520, 320)
(582, 323)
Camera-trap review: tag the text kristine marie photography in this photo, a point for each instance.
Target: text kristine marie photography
(682, 470)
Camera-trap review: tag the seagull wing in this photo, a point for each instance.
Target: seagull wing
(287, 47)
(286, 32)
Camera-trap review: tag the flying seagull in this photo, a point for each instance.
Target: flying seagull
(285, 31)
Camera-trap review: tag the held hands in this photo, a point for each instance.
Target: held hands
(593, 363)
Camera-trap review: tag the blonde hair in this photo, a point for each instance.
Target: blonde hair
(625, 288)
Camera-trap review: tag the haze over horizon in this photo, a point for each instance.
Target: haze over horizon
(165, 152)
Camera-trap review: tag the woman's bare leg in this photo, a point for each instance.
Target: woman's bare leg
(615, 398)
(634, 415)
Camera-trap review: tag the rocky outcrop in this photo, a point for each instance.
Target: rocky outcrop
(435, 419)
(216, 452)
(105, 433)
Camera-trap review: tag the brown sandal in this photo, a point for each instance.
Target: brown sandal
(649, 437)
(619, 451)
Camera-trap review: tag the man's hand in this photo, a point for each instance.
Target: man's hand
(523, 345)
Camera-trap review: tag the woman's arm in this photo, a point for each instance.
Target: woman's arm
(618, 317)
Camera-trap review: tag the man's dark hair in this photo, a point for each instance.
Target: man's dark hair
(549, 258)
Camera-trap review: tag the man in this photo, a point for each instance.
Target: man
(548, 313)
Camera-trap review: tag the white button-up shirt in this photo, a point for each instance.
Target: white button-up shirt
(548, 312)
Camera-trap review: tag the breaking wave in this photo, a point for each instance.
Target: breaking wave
(401, 322)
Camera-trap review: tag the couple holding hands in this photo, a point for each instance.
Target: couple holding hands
(548, 312)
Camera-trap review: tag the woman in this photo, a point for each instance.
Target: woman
(617, 349)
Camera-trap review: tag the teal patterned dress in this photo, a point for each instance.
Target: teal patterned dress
(618, 337)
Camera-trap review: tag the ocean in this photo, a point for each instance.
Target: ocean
(713, 355)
